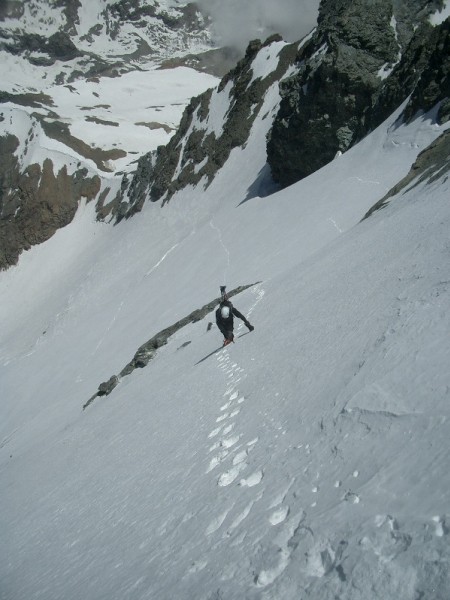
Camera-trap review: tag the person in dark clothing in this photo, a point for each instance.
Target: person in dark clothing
(225, 320)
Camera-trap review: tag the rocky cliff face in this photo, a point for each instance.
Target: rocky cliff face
(364, 59)
(212, 125)
(36, 197)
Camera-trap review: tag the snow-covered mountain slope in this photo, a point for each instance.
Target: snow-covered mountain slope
(317, 98)
(124, 116)
(106, 77)
(215, 123)
(109, 124)
(86, 103)
(309, 459)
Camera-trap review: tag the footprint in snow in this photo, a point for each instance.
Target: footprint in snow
(240, 457)
(350, 496)
(231, 475)
(197, 566)
(287, 540)
(215, 446)
(217, 522)
(216, 460)
(240, 517)
(279, 515)
(226, 443)
(231, 441)
(253, 480)
(215, 432)
(222, 417)
(228, 428)
(441, 526)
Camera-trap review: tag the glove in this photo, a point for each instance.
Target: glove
(250, 327)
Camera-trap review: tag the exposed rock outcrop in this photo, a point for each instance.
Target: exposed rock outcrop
(200, 147)
(344, 86)
(434, 83)
(431, 164)
(39, 195)
(37, 201)
(148, 350)
(58, 46)
(362, 62)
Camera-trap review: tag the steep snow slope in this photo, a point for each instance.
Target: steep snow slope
(309, 458)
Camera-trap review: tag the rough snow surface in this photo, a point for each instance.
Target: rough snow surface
(231, 475)
(307, 460)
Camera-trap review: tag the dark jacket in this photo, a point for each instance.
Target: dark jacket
(226, 326)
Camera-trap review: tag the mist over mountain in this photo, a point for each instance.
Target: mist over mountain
(235, 23)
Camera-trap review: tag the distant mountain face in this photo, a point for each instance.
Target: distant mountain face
(312, 99)
(61, 135)
(99, 36)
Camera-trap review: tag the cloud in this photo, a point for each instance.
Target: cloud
(236, 22)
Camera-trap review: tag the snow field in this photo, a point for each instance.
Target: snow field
(308, 459)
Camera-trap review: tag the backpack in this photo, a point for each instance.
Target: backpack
(225, 312)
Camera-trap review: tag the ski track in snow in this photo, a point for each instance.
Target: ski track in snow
(227, 252)
(161, 260)
(335, 224)
(115, 317)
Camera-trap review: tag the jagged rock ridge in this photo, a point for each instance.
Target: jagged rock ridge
(201, 146)
(362, 62)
